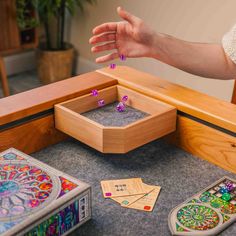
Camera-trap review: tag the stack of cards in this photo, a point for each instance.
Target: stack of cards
(131, 193)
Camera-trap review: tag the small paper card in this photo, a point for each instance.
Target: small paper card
(147, 202)
(122, 187)
(127, 200)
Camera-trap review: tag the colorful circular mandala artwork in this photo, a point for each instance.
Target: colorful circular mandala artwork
(198, 217)
(24, 189)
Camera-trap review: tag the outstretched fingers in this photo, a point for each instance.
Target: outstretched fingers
(104, 28)
(103, 38)
(104, 47)
(107, 57)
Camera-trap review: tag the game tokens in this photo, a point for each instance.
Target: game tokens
(197, 217)
(101, 103)
(228, 208)
(229, 186)
(206, 197)
(215, 211)
(223, 190)
(120, 107)
(122, 57)
(112, 66)
(94, 92)
(226, 197)
(124, 98)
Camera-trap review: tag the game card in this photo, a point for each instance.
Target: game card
(122, 187)
(127, 200)
(147, 202)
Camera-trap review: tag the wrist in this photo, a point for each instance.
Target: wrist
(153, 50)
(157, 45)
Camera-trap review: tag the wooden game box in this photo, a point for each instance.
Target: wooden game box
(36, 199)
(161, 120)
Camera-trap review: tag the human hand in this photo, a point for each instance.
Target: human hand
(131, 38)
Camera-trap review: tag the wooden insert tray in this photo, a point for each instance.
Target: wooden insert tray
(160, 122)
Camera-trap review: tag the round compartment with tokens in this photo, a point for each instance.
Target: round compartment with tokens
(198, 217)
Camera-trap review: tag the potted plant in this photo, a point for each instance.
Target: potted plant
(54, 60)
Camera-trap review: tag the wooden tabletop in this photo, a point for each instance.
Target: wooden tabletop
(44, 98)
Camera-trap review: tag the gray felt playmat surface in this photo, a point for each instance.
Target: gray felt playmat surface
(180, 175)
(108, 116)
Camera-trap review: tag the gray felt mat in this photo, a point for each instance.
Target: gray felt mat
(180, 174)
(108, 116)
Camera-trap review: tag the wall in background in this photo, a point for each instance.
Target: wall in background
(21, 62)
(198, 21)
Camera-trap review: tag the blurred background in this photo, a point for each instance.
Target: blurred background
(192, 20)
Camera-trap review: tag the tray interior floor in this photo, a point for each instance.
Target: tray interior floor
(109, 116)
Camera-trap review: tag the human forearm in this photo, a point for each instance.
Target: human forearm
(207, 60)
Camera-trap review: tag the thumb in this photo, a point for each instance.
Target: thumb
(127, 16)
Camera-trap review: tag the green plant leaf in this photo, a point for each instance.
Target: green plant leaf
(46, 10)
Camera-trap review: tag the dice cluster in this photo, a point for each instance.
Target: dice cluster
(121, 105)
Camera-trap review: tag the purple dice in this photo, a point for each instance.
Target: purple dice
(94, 92)
(229, 186)
(122, 57)
(101, 103)
(124, 98)
(112, 66)
(120, 107)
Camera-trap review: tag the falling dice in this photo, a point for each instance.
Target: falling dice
(122, 57)
(112, 66)
(101, 103)
(94, 93)
(124, 98)
(120, 107)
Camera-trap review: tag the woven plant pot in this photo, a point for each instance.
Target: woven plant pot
(55, 65)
